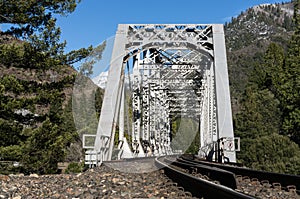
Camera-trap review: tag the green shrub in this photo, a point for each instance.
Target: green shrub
(75, 167)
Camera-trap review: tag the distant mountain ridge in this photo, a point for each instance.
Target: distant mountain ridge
(248, 36)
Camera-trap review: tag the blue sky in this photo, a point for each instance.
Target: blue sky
(96, 20)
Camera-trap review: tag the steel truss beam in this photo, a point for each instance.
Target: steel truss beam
(164, 71)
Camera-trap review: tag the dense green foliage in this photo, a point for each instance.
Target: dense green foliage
(32, 15)
(274, 153)
(29, 135)
(268, 117)
(75, 167)
(36, 82)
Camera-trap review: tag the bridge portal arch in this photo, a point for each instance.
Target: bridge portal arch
(170, 69)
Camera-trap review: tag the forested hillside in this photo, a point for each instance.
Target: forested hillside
(263, 56)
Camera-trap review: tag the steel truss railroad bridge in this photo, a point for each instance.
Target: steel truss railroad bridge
(166, 84)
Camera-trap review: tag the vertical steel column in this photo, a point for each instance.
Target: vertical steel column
(136, 108)
(108, 117)
(224, 115)
(145, 104)
(122, 115)
(205, 135)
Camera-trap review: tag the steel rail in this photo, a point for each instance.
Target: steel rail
(221, 176)
(284, 179)
(197, 186)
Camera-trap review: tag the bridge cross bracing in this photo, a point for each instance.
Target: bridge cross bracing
(160, 74)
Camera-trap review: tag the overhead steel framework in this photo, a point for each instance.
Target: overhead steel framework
(161, 74)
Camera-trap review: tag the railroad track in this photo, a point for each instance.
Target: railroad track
(213, 180)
